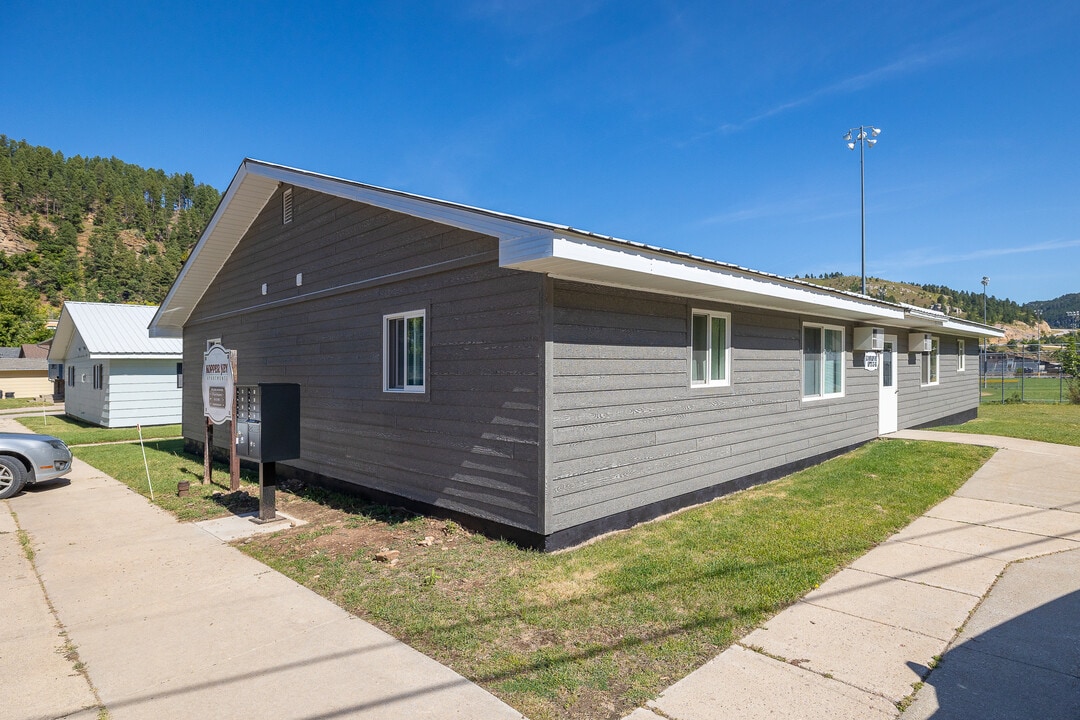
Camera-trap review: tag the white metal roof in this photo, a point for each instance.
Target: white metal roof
(112, 331)
(534, 246)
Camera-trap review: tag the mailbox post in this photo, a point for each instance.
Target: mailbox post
(268, 430)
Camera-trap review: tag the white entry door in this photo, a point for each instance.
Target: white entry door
(888, 391)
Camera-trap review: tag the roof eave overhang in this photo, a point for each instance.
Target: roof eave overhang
(533, 246)
(253, 186)
(134, 356)
(596, 261)
(921, 319)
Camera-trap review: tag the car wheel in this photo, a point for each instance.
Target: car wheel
(12, 477)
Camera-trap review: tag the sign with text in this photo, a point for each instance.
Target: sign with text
(217, 385)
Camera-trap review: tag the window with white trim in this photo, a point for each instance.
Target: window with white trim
(930, 363)
(71, 376)
(404, 352)
(99, 376)
(961, 358)
(823, 361)
(710, 348)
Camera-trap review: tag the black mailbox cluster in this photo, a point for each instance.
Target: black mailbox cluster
(268, 422)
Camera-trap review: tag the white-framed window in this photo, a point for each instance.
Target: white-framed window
(823, 361)
(71, 376)
(931, 361)
(710, 348)
(179, 374)
(961, 358)
(99, 376)
(404, 352)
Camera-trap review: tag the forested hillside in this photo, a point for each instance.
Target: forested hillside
(1056, 311)
(75, 228)
(962, 303)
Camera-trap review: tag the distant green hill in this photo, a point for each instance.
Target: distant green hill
(1054, 311)
(962, 303)
(99, 229)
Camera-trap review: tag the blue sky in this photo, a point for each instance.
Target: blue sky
(710, 127)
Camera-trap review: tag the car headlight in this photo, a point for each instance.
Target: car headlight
(59, 445)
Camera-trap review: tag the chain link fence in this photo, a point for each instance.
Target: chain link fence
(1008, 375)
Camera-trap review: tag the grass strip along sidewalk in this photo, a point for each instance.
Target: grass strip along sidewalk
(592, 632)
(77, 432)
(1047, 423)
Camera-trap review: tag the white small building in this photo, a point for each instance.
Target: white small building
(115, 374)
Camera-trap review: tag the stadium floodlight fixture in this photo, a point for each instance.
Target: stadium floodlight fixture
(863, 137)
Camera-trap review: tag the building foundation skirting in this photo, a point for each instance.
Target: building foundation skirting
(568, 537)
(955, 419)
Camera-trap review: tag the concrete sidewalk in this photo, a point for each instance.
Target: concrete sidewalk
(169, 622)
(859, 646)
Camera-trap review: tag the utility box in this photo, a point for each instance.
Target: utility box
(268, 422)
(920, 342)
(869, 339)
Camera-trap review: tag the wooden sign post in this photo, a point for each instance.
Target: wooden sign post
(234, 459)
(218, 380)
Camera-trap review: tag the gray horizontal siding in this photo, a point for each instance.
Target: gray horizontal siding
(626, 428)
(471, 442)
(955, 392)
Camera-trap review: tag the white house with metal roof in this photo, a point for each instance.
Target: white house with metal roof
(115, 374)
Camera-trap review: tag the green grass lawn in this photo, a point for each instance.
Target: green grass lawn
(595, 631)
(77, 432)
(20, 404)
(168, 466)
(1044, 389)
(1048, 423)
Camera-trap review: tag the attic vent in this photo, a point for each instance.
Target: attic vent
(286, 206)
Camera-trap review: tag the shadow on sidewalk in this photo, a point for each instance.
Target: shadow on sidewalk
(1027, 667)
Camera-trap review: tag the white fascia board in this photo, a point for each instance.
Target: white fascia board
(591, 260)
(65, 330)
(974, 329)
(925, 320)
(224, 231)
(134, 356)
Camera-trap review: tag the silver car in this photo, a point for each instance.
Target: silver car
(30, 459)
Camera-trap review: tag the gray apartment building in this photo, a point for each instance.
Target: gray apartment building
(536, 381)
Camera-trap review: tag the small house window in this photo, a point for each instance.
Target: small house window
(99, 376)
(710, 349)
(823, 361)
(961, 358)
(403, 352)
(179, 375)
(930, 363)
(71, 376)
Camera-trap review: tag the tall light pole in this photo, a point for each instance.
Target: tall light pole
(864, 136)
(985, 282)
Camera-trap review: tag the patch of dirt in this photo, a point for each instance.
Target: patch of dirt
(342, 533)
